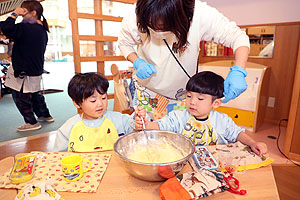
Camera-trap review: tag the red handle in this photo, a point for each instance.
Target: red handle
(241, 192)
(237, 184)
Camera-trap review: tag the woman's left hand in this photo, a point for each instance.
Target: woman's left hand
(235, 83)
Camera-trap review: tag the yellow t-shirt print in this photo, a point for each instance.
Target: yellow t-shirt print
(88, 139)
(201, 133)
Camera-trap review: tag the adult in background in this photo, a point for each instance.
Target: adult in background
(24, 77)
(167, 34)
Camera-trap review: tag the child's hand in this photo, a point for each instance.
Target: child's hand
(259, 148)
(139, 112)
(138, 122)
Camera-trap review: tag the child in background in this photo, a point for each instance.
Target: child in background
(199, 122)
(24, 76)
(96, 129)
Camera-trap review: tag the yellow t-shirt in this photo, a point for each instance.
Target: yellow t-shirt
(88, 139)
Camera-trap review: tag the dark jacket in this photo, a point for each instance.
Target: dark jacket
(30, 41)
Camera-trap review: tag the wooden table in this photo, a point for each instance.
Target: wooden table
(118, 184)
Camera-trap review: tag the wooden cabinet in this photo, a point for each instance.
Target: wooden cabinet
(292, 139)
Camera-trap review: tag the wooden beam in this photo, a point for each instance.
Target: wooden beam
(99, 17)
(102, 58)
(110, 77)
(98, 38)
(126, 1)
(75, 35)
(99, 32)
(110, 96)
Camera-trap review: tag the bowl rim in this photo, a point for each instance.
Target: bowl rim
(155, 164)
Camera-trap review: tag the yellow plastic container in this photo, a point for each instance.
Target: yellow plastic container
(23, 170)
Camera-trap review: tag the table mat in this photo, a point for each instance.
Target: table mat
(240, 152)
(48, 166)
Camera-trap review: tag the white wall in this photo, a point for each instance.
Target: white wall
(247, 12)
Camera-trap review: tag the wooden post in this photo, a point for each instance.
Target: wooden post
(99, 32)
(75, 35)
(292, 138)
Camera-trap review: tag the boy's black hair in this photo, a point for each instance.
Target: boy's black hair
(83, 85)
(207, 82)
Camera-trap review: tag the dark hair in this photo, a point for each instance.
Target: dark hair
(32, 5)
(207, 82)
(175, 15)
(83, 85)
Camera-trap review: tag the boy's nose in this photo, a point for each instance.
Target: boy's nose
(193, 100)
(100, 103)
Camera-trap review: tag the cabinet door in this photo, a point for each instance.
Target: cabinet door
(254, 31)
(292, 138)
(267, 30)
(263, 30)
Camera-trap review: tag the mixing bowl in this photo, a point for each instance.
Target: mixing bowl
(128, 144)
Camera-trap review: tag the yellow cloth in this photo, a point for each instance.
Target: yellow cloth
(201, 133)
(48, 166)
(88, 139)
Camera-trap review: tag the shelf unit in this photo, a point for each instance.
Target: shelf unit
(260, 37)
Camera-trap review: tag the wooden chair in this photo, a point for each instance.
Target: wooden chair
(116, 78)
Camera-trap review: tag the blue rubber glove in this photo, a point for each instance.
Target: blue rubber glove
(143, 69)
(235, 83)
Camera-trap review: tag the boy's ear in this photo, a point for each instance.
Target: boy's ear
(217, 103)
(76, 105)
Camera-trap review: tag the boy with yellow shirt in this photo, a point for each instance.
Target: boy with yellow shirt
(96, 129)
(199, 122)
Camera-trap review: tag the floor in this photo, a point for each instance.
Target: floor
(268, 129)
(59, 104)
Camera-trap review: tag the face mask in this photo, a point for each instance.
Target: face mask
(160, 35)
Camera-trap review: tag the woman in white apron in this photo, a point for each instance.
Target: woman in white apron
(167, 35)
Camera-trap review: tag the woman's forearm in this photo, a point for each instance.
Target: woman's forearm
(241, 56)
(131, 57)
